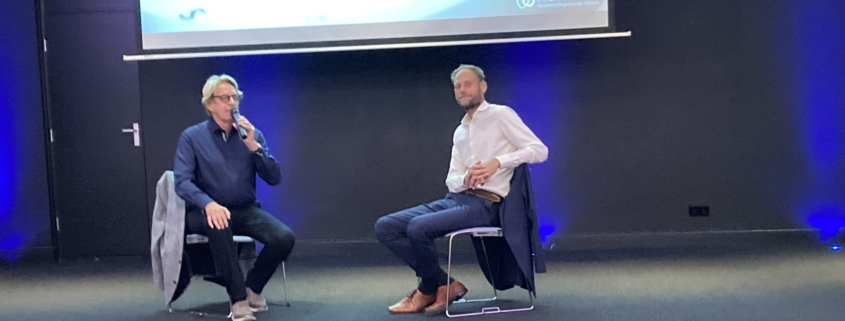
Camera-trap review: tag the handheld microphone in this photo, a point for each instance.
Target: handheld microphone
(236, 115)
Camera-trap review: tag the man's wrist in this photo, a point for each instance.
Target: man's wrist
(253, 147)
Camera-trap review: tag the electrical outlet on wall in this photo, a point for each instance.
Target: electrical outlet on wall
(699, 210)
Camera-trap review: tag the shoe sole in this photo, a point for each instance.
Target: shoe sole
(404, 312)
(443, 309)
(261, 309)
(244, 318)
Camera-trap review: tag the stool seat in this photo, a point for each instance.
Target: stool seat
(479, 232)
(200, 239)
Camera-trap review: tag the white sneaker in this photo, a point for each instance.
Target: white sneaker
(257, 303)
(242, 312)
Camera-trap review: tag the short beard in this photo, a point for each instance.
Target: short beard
(473, 103)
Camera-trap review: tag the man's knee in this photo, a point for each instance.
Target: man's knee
(283, 239)
(385, 229)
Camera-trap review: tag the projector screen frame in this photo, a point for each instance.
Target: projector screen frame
(370, 44)
(186, 55)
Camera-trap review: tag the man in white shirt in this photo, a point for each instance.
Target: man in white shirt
(488, 144)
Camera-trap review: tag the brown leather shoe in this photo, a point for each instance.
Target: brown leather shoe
(456, 291)
(413, 303)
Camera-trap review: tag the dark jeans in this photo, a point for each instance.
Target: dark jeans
(410, 233)
(250, 221)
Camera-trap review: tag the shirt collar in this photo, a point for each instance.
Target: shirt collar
(213, 127)
(481, 108)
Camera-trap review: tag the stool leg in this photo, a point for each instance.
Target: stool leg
(489, 268)
(285, 279)
(449, 274)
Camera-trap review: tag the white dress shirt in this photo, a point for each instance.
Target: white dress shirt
(495, 131)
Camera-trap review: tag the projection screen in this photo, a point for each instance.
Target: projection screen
(180, 26)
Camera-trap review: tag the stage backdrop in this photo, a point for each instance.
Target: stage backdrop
(736, 106)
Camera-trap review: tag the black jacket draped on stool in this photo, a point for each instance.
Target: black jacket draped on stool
(515, 257)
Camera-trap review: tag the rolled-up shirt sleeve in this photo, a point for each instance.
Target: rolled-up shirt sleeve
(530, 149)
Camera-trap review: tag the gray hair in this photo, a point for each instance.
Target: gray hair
(475, 69)
(213, 82)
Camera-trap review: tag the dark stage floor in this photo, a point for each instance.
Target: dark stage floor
(775, 283)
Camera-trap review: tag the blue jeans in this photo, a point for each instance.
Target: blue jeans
(410, 233)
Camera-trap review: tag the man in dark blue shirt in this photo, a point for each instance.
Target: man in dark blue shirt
(215, 174)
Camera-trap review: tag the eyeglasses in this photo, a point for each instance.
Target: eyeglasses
(227, 98)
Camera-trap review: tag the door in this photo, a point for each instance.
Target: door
(100, 195)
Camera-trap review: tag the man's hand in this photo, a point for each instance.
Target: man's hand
(218, 216)
(479, 174)
(469, 179)
(250, 134)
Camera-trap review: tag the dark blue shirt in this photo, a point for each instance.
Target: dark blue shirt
(211, 166)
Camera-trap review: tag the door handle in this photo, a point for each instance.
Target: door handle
(136, 132)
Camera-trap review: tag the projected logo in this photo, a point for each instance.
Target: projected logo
(192, 14)
(522, 4)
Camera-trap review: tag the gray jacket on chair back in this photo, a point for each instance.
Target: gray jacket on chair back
(167, 236)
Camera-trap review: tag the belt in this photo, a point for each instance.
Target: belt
(493, 197)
